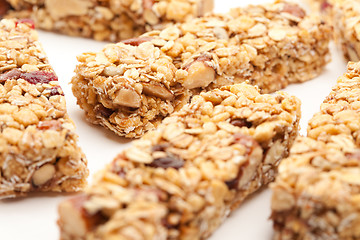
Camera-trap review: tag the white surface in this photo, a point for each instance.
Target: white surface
(34, 217)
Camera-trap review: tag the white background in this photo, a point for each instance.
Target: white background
(34, 217)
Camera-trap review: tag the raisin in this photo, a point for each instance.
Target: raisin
(26, 21)
(241, 123)
(39, 77)
(136, 41)
(167, 162)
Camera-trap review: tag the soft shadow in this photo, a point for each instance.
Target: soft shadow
(33, 195)
(79, 114)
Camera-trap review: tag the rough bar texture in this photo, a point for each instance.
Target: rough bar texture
(183, 179)
(38, 145)
(317, 192)
(111, 20)
(129, 87)
(344, 16)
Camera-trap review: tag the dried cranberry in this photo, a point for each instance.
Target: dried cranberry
(12, 74)
(49, 124)
(26, 21)
(167, 162)
(325, 5)
(241, 123)
(39, 77)
(136, 41)
(56, 91)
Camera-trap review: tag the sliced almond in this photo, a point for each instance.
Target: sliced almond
(157, 90)
(128, 98)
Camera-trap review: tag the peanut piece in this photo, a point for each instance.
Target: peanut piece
(128, 98)
(43, 174)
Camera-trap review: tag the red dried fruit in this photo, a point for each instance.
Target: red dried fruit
(325, 5)
(12, 74)
(26, 21)
(32, 77)
(56, 91)
(49, 124)
(294, 9)
(39, 77)
(136, 41)
(241, 123)
(167, 162)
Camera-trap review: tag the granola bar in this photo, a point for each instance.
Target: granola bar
(343, 15)
(183, 179)
(316, 194)
(38, 145)
(129, 87)
(110, 20)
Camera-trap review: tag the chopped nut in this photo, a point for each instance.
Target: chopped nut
(62, 8)
(136, 41)
(199, 75)
(294, 9)
(112, 71)
(43, 174)
(275, 153)
(128, 98)
(157, 90)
